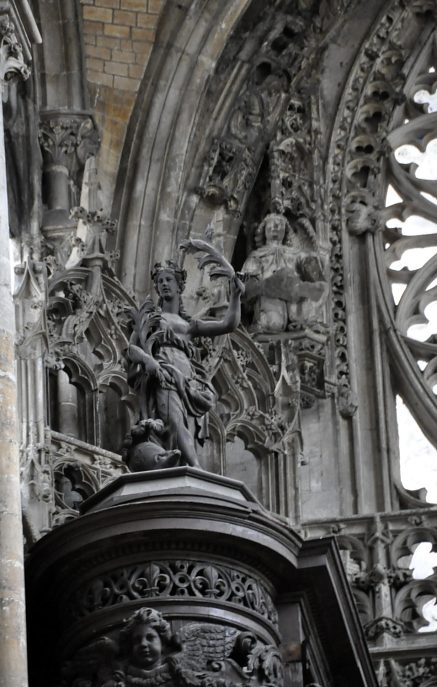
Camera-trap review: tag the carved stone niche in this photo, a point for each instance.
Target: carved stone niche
(180, 577)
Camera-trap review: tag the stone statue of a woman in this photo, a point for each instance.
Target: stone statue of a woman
(175, 393)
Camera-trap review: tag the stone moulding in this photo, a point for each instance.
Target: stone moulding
(344, 177)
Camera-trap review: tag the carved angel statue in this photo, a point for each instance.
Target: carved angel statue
(147, 654)
(287, 283)
(174, 390)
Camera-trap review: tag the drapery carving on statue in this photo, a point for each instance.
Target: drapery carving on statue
(287, 284)
(147, 654)
(174, 390)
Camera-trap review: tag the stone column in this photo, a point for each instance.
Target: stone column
(13, 662)
(67, 140)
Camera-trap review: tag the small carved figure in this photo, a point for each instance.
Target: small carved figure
(142, 452)
(287, 283)
(165, 368)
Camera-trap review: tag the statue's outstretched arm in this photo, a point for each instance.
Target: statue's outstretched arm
(219, 267)
(231, 319)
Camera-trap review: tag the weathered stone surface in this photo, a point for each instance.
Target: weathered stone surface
(14, 45)
(212, 115)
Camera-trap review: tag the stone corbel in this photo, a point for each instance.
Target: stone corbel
(11, 51)
(383, 625)
(67, 140)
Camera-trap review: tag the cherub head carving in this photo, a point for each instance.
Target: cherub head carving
(143, 638)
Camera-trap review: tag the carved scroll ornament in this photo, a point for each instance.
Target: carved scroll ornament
(173, 579)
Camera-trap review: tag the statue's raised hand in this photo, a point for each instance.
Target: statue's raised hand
(237, 285)
(153, 369)
(154, 319)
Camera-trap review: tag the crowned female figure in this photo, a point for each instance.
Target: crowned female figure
(175, 393)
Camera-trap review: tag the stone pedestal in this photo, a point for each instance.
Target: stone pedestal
(194, 547)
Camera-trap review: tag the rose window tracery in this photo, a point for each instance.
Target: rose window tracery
(406, 257)
(410, 233)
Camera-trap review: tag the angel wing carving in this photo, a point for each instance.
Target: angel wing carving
(205, 643)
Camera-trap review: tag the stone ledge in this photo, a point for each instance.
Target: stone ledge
(182, 481)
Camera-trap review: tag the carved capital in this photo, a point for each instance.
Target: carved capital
(68, 139)
(11, 52)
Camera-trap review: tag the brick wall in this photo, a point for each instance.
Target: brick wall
(118, 37)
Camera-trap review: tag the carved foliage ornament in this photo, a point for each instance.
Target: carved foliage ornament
(147, 654)
(419, 673)
(68, 139)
